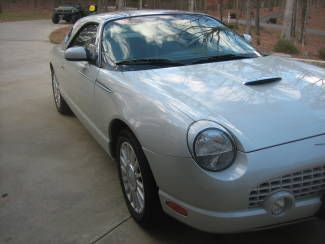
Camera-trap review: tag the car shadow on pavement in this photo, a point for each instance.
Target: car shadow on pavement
(171, 231)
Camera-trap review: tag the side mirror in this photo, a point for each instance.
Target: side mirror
(76, 54)
(247, 38)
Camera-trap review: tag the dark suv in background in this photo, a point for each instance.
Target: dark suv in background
(71, 12)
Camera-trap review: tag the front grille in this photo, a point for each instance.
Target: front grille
(64, 11)
(303, 184)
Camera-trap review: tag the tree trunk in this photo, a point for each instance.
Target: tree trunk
(191, 5)
(99, 5)
(294, 19)
(287, 20)
(221, 10)
(257, 21)
(106, 5)
(119, 4)
(140, 4)
(303, 20)
(248, 16)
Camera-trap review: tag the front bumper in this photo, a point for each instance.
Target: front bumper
(219, 202)
(64, 14)
(238, 221)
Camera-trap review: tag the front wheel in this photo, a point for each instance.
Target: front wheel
(55, 19)
(138, 184)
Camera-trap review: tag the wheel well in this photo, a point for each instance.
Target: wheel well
(116, 126)
(114, 129)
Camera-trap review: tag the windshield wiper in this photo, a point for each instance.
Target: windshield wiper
(149, 62)
(224, 58)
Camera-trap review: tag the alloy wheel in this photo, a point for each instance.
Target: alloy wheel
(132, 177)
(56, 91)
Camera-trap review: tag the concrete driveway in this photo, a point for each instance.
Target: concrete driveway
(56, 183)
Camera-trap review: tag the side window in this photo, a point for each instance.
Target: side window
(86, 37)
(67, 37)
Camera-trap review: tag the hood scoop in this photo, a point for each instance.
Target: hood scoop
(262, 81)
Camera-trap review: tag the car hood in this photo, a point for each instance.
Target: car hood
(259, 116)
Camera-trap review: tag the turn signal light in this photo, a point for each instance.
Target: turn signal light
(177, 208)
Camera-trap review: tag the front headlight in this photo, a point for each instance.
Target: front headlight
(211, 146)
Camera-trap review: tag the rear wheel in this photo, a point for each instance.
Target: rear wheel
(59, 101)
(67, 18)
(138, 185)
(55, 19)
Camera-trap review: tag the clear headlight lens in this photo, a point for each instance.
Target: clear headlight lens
(212, 148)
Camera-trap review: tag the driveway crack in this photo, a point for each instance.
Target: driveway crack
(110, 230)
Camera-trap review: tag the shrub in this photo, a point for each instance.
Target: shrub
(321, 53)
(271, 21)
(233, 15)
(285, 46)
(233, 26)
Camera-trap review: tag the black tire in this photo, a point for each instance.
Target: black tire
(152, 212)
(67, 18)
(60, 104)
(55, 19)
(75, 17)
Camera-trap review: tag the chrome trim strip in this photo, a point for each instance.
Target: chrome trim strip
(305, 138)
(104, 87)
(86, 77)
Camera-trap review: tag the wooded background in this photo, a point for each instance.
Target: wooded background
(294, 14)
(9, 5)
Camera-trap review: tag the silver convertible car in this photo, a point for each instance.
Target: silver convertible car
(203, 127)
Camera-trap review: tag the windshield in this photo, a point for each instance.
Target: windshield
(168, 39)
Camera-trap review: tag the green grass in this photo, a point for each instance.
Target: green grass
(285, 46)
(321, 53)
(233, 26)
(19, 16)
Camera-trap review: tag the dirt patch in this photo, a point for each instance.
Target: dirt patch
(58, 35)
(269, 38)
(310, 50)
(21, 15)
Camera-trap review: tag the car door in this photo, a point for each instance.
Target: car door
(81, 75)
